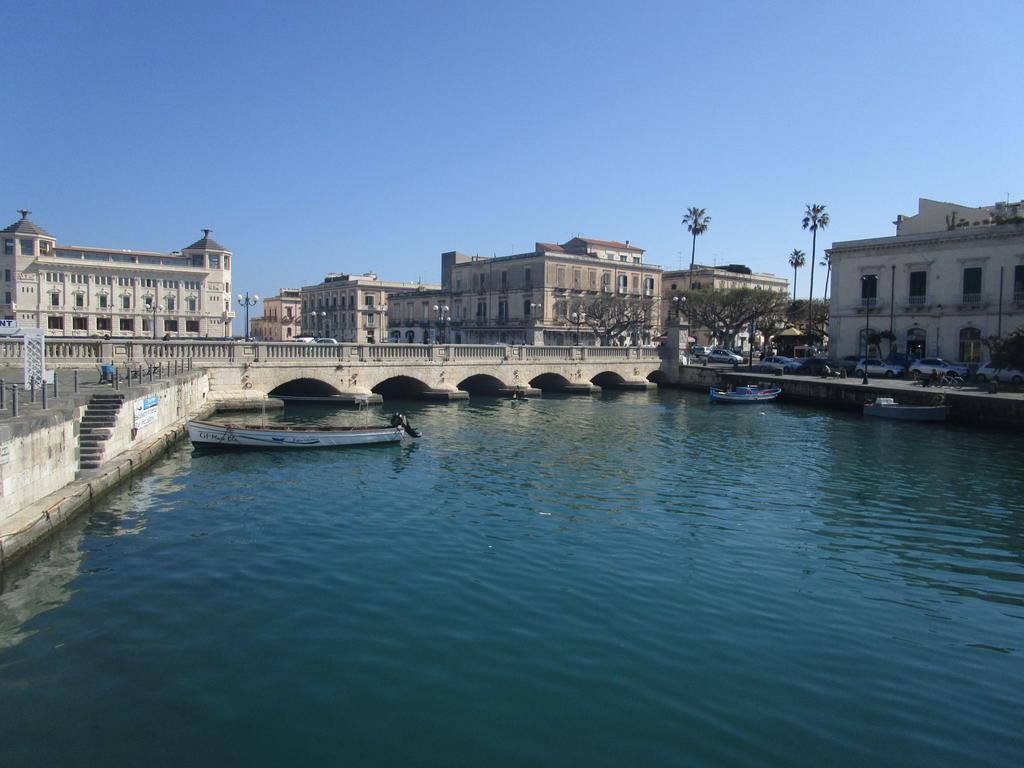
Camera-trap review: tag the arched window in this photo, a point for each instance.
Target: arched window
(970, 345)
(917, 339)
(863, 347)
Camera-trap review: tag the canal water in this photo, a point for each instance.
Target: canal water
(636, 579)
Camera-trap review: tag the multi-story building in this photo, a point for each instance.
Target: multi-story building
(80, 291)
(950, 278)
(350, 308)
(718, 279)
(282, 315)
(541, 297)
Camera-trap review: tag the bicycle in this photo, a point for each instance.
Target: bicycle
(951, 380)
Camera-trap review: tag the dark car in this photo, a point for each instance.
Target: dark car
(849, 363)
(816, 366)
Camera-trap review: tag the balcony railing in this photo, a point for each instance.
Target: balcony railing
(1018, 297)
(917, 301)
(972, 298)
(868, 302)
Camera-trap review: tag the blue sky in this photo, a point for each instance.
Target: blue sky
(317, 137)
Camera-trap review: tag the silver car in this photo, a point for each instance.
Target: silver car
(877, 367)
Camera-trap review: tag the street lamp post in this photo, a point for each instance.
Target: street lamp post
(247, 301)
(578, 318)
(443, 315)
(151, 307)
(867, 314)
(317, 319)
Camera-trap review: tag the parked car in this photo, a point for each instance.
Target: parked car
(988, 373)
(877, 367)
(789, 365)
(304, 339)
(815, 366)
(926, 366)
(849, 363)
(723, 356)
(698, 352)
(901, 359)
(326, 341)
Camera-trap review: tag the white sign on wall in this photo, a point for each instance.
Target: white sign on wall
(145, 411)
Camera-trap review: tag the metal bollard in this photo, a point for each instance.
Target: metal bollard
(2, 392)
(54, 385)
(150, 375)
(44, 397)
(117, 379)
(76, 381)
(14, 400)
(32, 395)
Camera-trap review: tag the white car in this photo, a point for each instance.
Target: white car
(988, 373)
(877, 367)
(723, 356)
(926, 366)
(697, 352)
(326, 341)
(304, 339)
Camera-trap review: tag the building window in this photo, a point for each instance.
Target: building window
(481, 310)
(648, 286)
(636, 284)
(526, 278)
(504, 279)
(7, 275)
(8, 247)
(199, 260)
(192, 326)
(214, 261)
(79, 323)
(970, 345)
(576, 279)
(869, 290)
(126, 302)
(7, 295)
(560, 277)
(28, 248)
(606, 282)
(54, 299)
(526, 308)
(623, 283)
(102, 300)
(79, 300)
(103, 324)
(147, 325)
(972, 285)
(169, 300)
(170, 326)
(1018, 284)
(368, 301)
(917, 340)
(503, 310)
(191, 303)
(55, 323)
(126, 324)
(918, 288)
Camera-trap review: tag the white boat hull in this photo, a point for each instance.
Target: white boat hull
(908, 412)
(207, 434)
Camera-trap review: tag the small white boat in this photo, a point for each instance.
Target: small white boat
(207, 434)
(887, 408)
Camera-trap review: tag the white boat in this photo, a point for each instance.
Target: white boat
(207, 434)
(887, 408)
(751, 393)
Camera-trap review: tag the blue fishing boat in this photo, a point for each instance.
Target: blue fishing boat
(750, 393)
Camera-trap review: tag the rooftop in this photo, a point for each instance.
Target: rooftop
(25, 227)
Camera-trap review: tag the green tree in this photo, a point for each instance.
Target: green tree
(727, 312)
(826, 262)
(613, 317)
(1008, 352)
(697, 222)
(796, 260)
(798, 311)
(815, 218)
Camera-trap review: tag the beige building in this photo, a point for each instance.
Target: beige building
(540, 297)
(281, 320)
(350, 308)
(719, 279)
(950, 278)
(83, 291)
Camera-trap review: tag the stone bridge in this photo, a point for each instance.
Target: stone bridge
(360, 371)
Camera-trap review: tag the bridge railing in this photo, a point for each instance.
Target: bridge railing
(71, 352)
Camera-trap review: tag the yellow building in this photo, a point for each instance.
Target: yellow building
(282, 317)
(71, 290)
(539, 297)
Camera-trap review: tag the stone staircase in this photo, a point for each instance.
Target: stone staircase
(97, 427)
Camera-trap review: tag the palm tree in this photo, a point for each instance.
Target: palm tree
(815, 218)
(697, 222)
(796, 260)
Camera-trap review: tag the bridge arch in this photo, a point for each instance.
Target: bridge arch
(658, 377)
(548, 382)
(304, 387)
(400, 386)
(609, 379)
(482, 383)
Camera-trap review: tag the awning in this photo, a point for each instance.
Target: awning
(790, 332)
